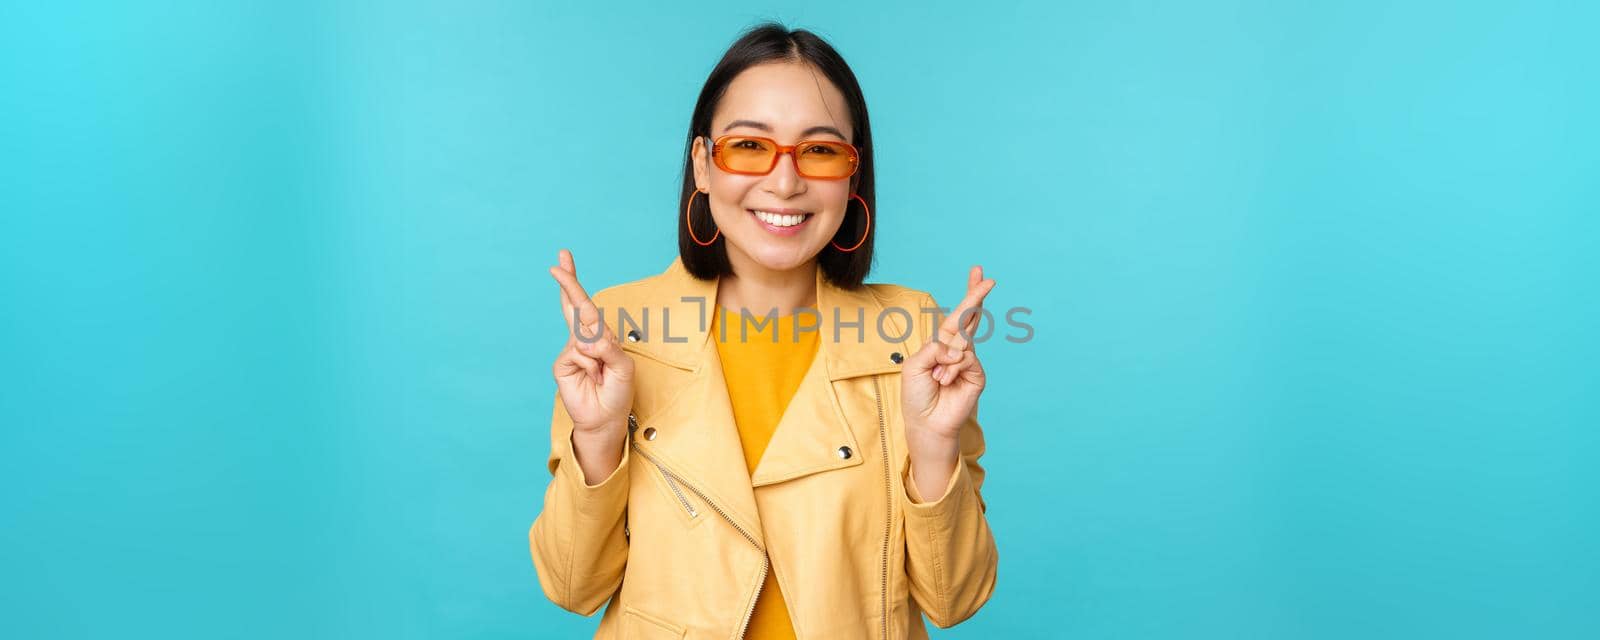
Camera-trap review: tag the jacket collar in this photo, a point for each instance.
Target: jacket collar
(867, 334)
(821, 419)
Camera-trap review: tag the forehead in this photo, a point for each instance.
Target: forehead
(790, 97)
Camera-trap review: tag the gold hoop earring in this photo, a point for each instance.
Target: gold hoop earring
(690, 224)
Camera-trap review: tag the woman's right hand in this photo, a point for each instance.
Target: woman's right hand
(594, 375)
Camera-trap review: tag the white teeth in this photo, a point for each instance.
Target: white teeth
(779, 220)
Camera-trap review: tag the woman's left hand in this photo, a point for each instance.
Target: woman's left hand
(940, 383)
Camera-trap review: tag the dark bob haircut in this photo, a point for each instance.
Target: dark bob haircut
(772, 42)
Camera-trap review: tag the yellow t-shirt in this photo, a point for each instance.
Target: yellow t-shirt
(762, 376)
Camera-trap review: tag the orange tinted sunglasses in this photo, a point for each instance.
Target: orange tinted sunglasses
(758, 156)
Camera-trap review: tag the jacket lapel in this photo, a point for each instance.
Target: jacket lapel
(700, 441)
(816, 425)
(697, 439)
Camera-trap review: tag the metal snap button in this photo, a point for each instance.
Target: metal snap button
(633, 336)
(649, 433)
(896, 357)
(844, 453)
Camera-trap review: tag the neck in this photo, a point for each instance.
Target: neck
(759, 289)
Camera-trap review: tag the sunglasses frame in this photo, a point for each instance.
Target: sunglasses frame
(716, 156)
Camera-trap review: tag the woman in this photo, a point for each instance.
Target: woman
(772, 449)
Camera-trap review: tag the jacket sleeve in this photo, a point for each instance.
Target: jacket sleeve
(951, 559)
(578, 544)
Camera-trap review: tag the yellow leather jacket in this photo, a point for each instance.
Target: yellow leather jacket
(678, 538)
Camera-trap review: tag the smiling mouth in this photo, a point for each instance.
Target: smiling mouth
(780, 220)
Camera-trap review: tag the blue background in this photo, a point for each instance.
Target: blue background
(1314, 291)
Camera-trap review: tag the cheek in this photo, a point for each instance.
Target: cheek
(837, 211)
(728, 205)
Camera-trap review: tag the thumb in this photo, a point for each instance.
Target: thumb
(606, 350)
(924, 360)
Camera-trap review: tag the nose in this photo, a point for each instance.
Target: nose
(785, 181)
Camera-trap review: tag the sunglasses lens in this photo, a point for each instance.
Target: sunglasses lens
(751, 155)
(825, 160)
(814, 159)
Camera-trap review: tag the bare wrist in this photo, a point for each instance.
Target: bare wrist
(591, 439)
(925, 443)
(598, 453)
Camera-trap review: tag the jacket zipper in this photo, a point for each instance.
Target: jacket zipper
(745, 623)
(888, 509)
(674, 485)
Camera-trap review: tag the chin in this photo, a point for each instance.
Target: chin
(781, 258)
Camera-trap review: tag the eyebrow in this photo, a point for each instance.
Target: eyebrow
(821, 128)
